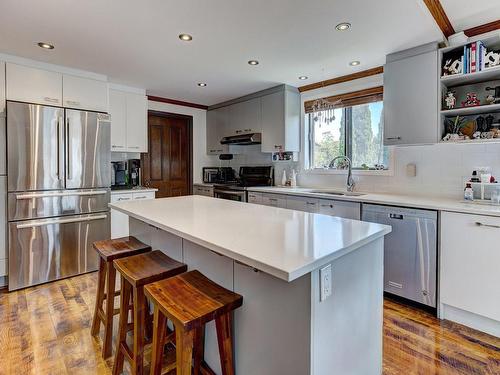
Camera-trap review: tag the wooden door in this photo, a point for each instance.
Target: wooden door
(167, 165)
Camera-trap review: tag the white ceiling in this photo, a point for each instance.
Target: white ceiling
(464, 14)
(135, 42)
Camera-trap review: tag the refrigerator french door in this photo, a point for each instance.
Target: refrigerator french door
(58, 179)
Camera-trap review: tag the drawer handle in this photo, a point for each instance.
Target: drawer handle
(72, 102)
(327, 205)
(51, 100)
(143, 197)
(123, 199)
(311, 203)
(133, 147)
(487, 225)
(246, 265)
(393, 138)
(396, 216)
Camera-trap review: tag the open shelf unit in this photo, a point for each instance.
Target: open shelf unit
(476, 80)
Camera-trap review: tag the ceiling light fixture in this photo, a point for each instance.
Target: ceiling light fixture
(343, 26)
(302, 78)
(354, 63)
(185, 37)
(253, 62)
(201, 84)
(45, 45)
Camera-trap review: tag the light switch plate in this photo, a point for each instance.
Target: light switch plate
(325, 282)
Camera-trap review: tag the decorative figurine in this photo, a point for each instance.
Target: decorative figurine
(471, 100)
(489, 122)
(495, 96)
(481, 124)
(452, 67)
(492, 59)
(450, 100)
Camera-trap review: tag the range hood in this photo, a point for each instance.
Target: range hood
(243, 139)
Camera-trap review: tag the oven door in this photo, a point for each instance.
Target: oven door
(232, 195)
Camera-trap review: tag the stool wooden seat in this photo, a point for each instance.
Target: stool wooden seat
(136, 272)
(191, 300)
(109, 250)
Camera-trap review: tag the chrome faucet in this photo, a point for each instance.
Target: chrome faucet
(350, 181)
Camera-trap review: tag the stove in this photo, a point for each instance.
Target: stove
(248, 177)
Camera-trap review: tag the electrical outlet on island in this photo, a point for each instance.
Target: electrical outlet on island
(325, 282)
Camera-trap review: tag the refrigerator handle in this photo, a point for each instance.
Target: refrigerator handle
(68, 151)
(59, 123)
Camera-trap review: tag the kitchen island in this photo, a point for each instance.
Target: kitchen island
(290, 322)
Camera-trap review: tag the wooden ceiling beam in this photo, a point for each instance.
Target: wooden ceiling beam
(341, 79)
(482, 29)
(440, 17)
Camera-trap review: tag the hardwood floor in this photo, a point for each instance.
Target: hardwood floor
(46, 330)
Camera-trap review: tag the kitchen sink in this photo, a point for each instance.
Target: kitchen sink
(339, 193)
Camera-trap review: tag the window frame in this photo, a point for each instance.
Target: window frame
(347, 112)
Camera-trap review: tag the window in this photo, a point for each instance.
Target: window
(354, 131)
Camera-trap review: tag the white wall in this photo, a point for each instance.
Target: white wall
(441, 169)
(200, 157)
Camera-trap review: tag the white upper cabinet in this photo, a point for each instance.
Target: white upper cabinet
(245, 117)
(118, 112)
(85, 93)
(411, 96)
(216, 129)
(2, 89)
(137, 122)
(129, 131)
(281, 121)
(32, 85)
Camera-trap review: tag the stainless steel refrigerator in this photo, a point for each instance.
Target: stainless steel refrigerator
(58, 179)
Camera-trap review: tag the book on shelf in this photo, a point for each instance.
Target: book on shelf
(473, 58)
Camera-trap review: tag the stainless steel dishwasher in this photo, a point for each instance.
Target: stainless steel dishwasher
(410, 251)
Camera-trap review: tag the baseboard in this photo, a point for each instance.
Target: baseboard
(471, 320)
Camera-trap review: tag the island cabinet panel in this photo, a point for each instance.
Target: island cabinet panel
(353, 312)
(168, 243)
(219, 269)
(346, 210)
(469, 269)
(275, 314)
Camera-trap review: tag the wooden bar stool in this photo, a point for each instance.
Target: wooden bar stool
(136, 272)
(108, 251)
(190, 301)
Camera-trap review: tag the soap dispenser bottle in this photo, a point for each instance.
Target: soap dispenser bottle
(468, 192)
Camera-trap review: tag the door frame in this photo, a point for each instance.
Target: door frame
(190, 139)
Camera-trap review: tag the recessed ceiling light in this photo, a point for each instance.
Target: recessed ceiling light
(185, 37)
(253, 62)
(45, 45)
(201, 84)
(302, 78)
(354, 63)
(343, 26)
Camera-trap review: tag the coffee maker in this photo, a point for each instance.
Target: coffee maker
(119, 178)
(134, 171)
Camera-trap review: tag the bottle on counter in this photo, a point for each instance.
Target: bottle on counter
(293, 179)
(283, 179)
(468, 192)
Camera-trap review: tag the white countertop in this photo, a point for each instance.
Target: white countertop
(139, 189)
(432, 203)
(284, 243)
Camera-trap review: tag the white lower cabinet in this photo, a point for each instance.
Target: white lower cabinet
(253, 197)
(219, 269)
(346, 210)
(302, 204)
(167, 243)
(119, 221)
(470, 270)
(274, 200)
(207, 191)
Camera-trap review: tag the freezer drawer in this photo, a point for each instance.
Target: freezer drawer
(44, 204)
(410, 251)
(35, 147)
(51, 249)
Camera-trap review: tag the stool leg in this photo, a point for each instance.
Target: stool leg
(139, 321)
(223, 325)
(122, 327)
(101, 277)
(184, 350)
(110, 307)
(159, 331)
(199, 349)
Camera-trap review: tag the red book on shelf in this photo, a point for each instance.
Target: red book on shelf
(473, 55)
